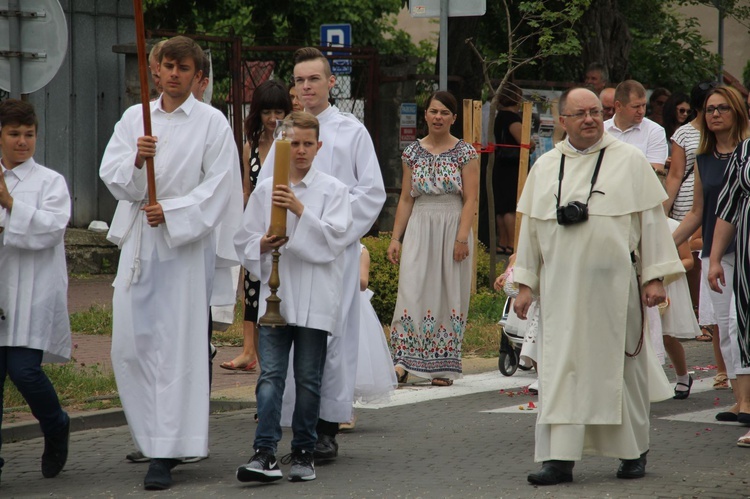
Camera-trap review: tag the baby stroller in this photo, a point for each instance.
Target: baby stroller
(512, 332)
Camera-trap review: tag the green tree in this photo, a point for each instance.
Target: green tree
(283, 22)
(535, 31)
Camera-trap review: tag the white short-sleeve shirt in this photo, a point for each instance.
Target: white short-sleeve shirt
(647, 136)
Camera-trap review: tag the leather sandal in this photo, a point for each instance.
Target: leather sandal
(441, 382)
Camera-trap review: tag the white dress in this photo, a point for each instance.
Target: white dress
(678, 319)
(376, 378)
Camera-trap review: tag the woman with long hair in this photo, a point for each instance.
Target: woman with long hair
(724, 126)
(677, 112)
(432, 242)
(733, 213)
(270, 103)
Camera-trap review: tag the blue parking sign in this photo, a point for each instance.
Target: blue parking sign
(337, 35)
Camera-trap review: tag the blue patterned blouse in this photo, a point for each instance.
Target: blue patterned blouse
(437, 174)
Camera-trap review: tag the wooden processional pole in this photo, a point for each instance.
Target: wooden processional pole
(140, 38)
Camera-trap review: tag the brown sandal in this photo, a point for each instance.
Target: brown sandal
(402, 378)
(707, 334)
(442, 382)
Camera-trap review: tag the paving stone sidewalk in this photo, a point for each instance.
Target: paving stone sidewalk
(477, 445)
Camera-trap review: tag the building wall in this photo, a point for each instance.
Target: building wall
(80, 106)
(736, 37)
(419, 28)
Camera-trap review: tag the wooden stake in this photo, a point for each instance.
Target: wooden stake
(143, 71)
(476, 138)
(523, 164)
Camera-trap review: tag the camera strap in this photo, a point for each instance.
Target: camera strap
(593, 177)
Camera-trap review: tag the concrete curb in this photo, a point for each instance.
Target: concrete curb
(108, 418)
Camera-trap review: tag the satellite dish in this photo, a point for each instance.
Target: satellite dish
(43, 43)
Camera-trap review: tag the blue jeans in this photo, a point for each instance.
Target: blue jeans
(24, 368)
(310, 346)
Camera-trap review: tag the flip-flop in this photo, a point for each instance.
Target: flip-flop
(743, 441)
(229, 366)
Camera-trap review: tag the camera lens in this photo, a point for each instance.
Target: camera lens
(572, 212)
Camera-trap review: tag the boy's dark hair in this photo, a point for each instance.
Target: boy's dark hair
(311, 54)
(180, 48)
(17, 112)
(304, 120)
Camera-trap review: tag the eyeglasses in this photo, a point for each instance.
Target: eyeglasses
(594, 113)
(722, 109)
(683, 110)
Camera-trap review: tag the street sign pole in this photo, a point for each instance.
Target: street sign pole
(14, 47)
(443, 74)
(444, 9)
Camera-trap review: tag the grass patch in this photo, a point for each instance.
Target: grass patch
(233, 335)
(482, 335)
(88, 387)
(96, 320)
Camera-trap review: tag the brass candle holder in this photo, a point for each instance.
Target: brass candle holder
(281, 165)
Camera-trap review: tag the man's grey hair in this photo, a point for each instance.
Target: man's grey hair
(595, 66)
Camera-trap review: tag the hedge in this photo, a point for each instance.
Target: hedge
(384, 275)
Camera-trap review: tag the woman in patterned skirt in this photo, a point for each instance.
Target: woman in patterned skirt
(270, 102)
(432, 242)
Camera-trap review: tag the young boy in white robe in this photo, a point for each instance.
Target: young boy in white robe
(34, 327)
(310, 273)
(169, 252)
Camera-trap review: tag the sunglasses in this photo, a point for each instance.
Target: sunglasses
(683, 110)
(708, 85)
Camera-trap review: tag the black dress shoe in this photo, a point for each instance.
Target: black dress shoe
(159, 475)
(326, 447)
(549, 475)
(726, 416)
(632, 468)
(683, 394)
(743, 418)
(56, 451)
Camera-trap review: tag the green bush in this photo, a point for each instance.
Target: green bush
(383, 277)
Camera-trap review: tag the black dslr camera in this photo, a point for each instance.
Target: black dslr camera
(572, 213)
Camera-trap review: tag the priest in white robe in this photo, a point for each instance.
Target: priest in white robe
(348, 155)
(169, 253)
(594, 275)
